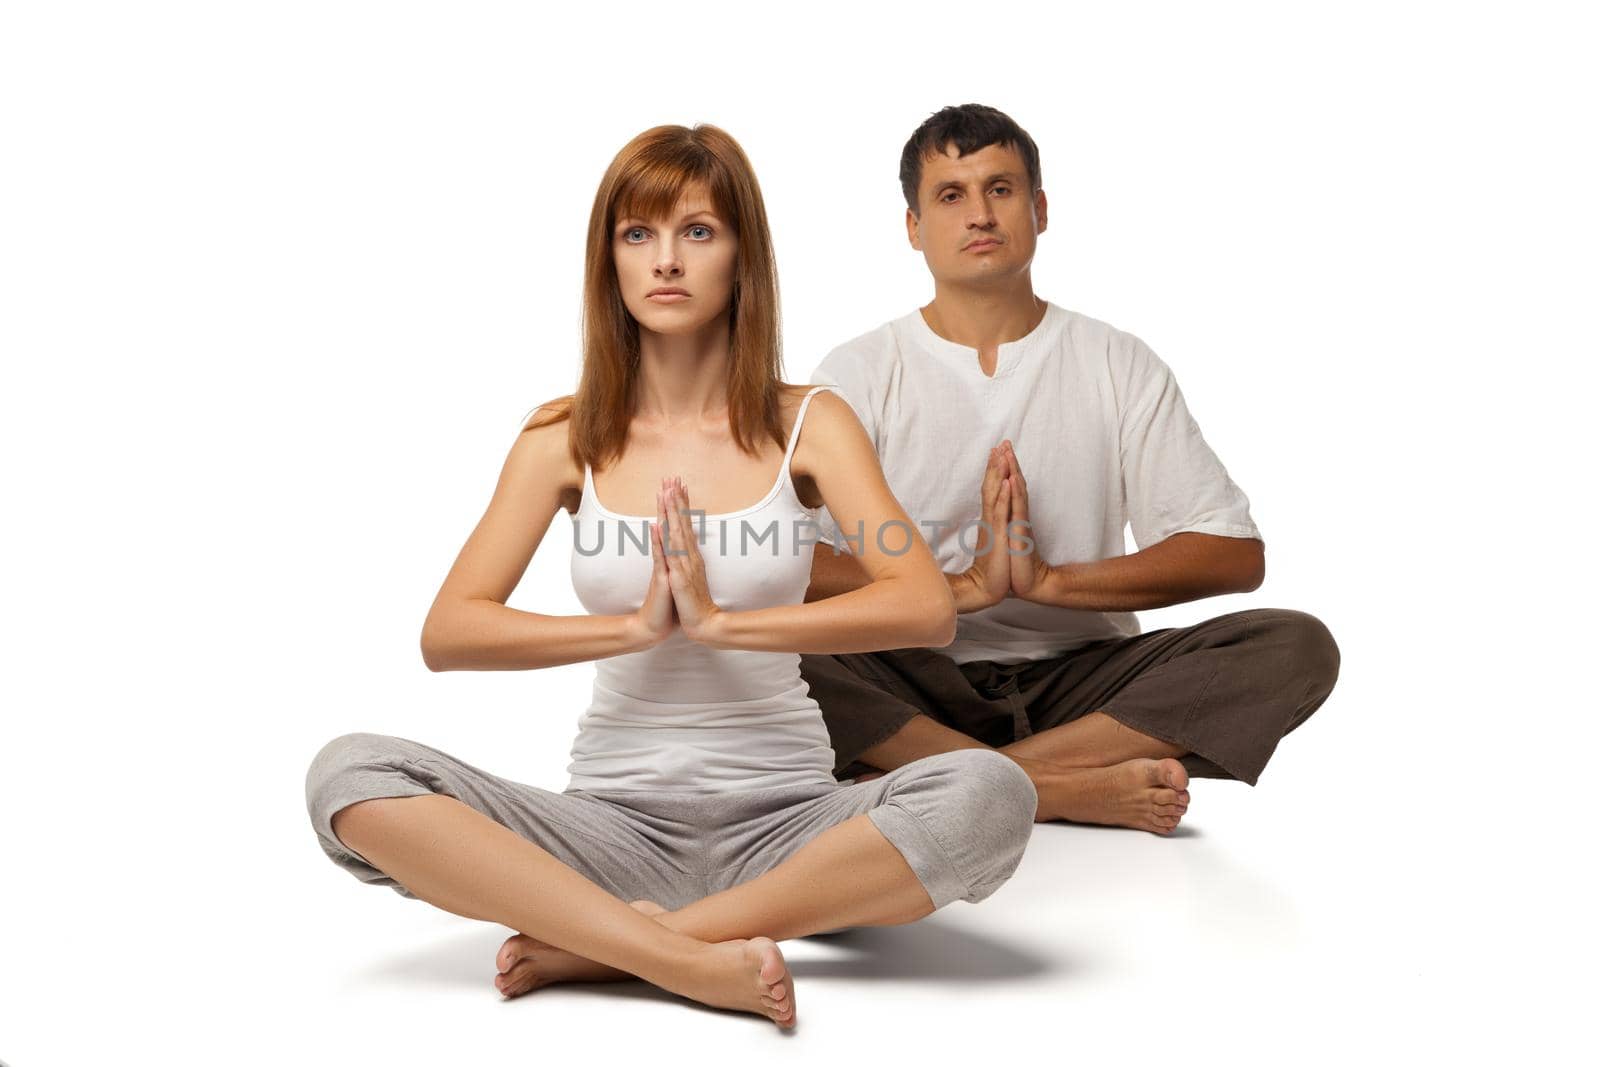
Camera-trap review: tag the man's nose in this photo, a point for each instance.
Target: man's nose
(982, 213)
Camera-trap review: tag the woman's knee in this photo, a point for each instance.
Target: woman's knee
(985, 810)
(1008, 804)
(1004, 792)
(343, 773)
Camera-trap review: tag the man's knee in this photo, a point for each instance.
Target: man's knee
(1314, 654)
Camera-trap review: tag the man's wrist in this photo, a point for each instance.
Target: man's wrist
(1049, 584)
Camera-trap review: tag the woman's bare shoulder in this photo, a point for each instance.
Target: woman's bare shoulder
(832, 434)
(542, 450)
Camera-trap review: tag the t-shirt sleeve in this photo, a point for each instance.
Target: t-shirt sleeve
(843, 370)
(1171, 479)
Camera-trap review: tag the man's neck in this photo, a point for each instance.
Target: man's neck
(984, 318)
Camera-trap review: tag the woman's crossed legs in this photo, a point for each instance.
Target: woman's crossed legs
(743, 869)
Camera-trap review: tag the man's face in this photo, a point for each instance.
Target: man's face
(978, 222)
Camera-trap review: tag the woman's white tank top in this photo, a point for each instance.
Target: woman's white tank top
(681, 716)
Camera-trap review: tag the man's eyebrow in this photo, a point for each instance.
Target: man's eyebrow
(1000, 176)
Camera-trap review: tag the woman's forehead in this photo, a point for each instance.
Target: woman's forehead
(671, 201)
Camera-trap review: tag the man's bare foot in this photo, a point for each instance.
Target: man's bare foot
(1142, 794)
(526, 964)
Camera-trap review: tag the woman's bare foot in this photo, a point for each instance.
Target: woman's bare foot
(741, 975)
(746, 975)
(526, 964)
(1141, 794)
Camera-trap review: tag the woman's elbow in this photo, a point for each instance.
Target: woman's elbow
(432, 654)
(435, 647)
(939, 617)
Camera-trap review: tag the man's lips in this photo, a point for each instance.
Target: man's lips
(983, 242)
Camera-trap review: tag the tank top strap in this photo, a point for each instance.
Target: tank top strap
(586, 497)
(800, 417)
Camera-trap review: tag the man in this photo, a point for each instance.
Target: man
(993, 409)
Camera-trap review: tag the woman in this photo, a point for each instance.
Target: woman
(701, 778)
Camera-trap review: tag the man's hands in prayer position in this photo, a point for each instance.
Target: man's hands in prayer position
(988, 580)
(1006, 559)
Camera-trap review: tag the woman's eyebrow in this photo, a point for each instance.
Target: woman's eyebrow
(635, 220)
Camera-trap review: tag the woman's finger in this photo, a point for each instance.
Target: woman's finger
(664, 530)
(675, 519)
(690, 541)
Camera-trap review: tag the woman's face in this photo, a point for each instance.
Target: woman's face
(676, 271)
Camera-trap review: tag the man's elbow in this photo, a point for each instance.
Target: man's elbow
(1252, 567)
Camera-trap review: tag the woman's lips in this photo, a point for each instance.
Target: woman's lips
(667, 298)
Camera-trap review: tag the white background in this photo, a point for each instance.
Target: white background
(280, 281)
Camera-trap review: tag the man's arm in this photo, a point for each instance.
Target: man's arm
(1184, 567)
(1191, 522)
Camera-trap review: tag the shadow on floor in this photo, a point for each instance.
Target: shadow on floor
(927, 951)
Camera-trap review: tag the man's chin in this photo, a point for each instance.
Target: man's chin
(980, 274)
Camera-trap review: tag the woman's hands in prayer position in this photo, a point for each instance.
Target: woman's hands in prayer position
(696, 612)
(657, 615)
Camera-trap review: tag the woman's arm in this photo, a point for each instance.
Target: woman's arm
(905, 601)
(469, 627)
(985, 583)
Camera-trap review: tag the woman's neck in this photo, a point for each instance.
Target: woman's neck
(683, 377)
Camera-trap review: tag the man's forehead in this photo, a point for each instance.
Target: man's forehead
(950, 165)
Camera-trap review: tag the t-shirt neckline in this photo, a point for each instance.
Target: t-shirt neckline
(1006, 359)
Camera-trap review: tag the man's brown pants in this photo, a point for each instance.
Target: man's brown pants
(1225, 690)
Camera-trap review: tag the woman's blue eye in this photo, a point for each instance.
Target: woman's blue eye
(628, 234)
(705, 229)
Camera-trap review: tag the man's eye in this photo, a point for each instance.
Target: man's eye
(946, 197)
(1001, 189)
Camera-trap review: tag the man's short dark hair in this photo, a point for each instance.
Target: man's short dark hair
(971, 128)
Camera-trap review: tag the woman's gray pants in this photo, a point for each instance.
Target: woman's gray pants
(961, 820)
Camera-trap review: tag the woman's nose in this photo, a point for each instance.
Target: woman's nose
(668, 265)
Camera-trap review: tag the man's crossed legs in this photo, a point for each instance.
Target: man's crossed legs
(1109, 733)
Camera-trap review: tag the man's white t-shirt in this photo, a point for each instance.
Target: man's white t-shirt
(1100, 430)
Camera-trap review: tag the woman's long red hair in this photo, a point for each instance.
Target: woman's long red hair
(646, 179)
